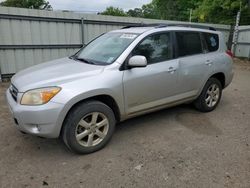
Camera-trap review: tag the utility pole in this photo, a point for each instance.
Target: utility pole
(236, 32)
(190, 15)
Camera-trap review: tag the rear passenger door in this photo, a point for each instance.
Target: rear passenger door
(194, 67)
(214, 58)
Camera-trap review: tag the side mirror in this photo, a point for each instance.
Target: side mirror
(137, 61)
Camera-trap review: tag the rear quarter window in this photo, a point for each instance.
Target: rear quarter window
(212, 41)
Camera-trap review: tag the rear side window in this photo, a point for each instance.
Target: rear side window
(189, 43)
(212, 41)
(156, 48)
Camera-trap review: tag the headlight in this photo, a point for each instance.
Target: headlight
(39, 96)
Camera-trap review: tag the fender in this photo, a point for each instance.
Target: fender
(84, 96)
(204, 82)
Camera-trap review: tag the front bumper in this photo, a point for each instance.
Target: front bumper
(37, 120)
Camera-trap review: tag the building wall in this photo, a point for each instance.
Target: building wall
(29, 37)
(242, 48)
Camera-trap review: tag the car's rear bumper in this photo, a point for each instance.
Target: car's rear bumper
(229, 78)
(37, 120)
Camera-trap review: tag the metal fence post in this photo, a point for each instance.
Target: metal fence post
(82, 29)
(190, 15)
(249, 54)
(0, 75)
(236, 31)
(230, 37)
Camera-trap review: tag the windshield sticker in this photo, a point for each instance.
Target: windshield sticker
(128, 36)
(213, 41)
(110, 59)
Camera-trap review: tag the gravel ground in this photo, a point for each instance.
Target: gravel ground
(176, 147)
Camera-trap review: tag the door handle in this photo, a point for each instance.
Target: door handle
(209, 63)
(171, 70)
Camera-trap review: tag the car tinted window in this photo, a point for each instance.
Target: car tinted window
(212, 41)
(156, 48)
(189, 43)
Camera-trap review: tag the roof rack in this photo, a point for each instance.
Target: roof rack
(161, 25)
(155, 25)
(194, 26)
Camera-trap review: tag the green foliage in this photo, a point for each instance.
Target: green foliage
(245, 16)
(147, 11)
(113, 11)
(137, 12)
(168, 9)
(150, 11)
(210, 11)
(35, 4)
(219, 11)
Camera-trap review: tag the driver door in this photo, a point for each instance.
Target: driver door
(155, 84)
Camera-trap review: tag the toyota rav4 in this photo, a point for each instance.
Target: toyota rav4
(119, 75)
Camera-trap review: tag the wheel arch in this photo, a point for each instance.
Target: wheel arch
(221, 77)
(104, 98)
(218, 75)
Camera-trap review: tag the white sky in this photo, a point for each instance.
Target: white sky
(95, 5)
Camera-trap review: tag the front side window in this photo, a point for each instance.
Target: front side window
(106, 48)
(156, 48)
(189, 43)
(212, 41)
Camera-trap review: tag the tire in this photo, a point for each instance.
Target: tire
(205, 104)
(91, 120)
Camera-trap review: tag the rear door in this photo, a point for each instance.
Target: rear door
(194, 65)
(213, 56)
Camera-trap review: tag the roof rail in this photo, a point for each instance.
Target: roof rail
(155, 25)
(161, 25)
(194, 26)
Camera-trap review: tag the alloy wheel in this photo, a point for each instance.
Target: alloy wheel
(212, 95)
(92, 129)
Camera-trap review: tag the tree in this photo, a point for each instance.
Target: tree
(147, 11)
(137, 12)
(114, 11)
(150, 11)
(34, 4)
(212, 11)
(221, 11)
(175, 9)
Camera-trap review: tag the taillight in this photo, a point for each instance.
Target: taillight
(228, 52)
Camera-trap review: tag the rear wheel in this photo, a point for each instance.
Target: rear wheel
(210, 96)
(88, 127)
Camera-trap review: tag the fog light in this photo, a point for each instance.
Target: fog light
(36, 128)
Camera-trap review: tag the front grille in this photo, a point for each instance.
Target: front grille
(13, 92)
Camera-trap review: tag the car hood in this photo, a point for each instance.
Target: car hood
(53, 73)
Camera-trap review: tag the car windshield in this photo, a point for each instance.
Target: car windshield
(106, 48)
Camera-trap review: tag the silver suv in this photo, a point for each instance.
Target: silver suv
(119, 75)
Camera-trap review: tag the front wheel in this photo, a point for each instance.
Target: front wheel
(88, 127)
(210, 96)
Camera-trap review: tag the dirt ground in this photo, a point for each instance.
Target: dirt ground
(176, 147)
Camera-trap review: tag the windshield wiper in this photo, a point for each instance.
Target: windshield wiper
(72, 57)
(85, 60)
(82, 60)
